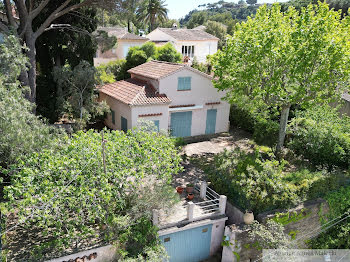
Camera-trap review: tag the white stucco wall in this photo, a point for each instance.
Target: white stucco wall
(202, 92)
(127, 43)
(201, 48)
(104, 254)
(154, 109)
(217, 234)
(120, 109)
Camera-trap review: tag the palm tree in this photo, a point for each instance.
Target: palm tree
(152, 11)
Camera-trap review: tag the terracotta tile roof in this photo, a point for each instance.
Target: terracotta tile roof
(121, 33)
(188, 34)
(134, 92)
(159, 69)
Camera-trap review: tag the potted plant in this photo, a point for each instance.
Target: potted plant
(179, 189)
(248, 217)
(190, 196)
(189, 188)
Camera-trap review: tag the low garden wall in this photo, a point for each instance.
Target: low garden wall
(101, 254)
(300, 223)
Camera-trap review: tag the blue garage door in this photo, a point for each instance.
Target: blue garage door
(211, 121)
(190, 245)
(181, 124)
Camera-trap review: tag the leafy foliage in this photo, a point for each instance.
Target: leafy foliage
(269, 236)
(70, 198)
(283, 59)
(259, 182)
(112, 71)
(224, 12)
(59, 47)
(322, 136)
(168, 53)
(79, 100)
(217, 29)
(151, 12)
(260, 121)
(137, 55)
(337, 236)
(21, 132)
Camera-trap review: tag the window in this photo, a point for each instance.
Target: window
(156, 123)
(113, 117)
(184, 83)
(114, 51)
(188, 50)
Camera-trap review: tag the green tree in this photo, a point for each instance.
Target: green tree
(79, 100)
(29, 32)
(21, 132)
(152, 12)
(168, 53)
(217, 29)
(198, 18)
(283, 59)
(81, 199)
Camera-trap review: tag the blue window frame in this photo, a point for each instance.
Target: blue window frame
(184, 83)
(156, 123)
(113, 117)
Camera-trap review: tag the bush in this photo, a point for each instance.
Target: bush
(264, 130)
(112, 71)
(321, 136)
(337, 236)
(259, 182)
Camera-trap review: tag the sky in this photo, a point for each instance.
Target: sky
(179, 8)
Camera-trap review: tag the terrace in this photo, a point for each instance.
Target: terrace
(206, 204)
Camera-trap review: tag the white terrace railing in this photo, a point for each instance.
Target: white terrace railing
(212, 204)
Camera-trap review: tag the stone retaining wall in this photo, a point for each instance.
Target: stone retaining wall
(302, 222)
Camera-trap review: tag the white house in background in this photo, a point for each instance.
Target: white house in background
(176, 97)
(125, 40)
(189, 42)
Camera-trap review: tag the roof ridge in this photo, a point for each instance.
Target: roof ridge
(137, 96)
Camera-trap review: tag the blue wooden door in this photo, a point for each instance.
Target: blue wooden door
(211, 121)
(181, 124)
(190, 245)
(124, 122)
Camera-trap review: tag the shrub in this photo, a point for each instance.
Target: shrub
(321, 136)
(112, 71)
(264, 130)
(337, 236)
(259, 182)
(252, 182)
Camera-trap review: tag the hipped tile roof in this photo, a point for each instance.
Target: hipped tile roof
(159, 69)
(134, 92)
(121, 33)
(188, 34)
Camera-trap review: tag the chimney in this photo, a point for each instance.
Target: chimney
(174, 26)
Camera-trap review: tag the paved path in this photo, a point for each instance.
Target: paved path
(236, 138)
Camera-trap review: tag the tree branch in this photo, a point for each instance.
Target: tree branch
(60, 11)
(37, 10)
(9, 14)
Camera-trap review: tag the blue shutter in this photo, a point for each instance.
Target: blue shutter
(113, 117)
(211, 121)
(124, 124)
(184, 83)
(156, 123)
